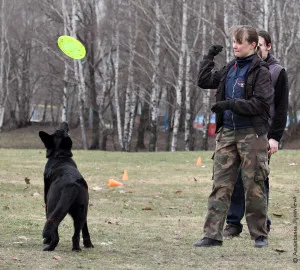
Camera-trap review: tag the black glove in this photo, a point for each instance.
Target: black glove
(215, 50)
(222, 106)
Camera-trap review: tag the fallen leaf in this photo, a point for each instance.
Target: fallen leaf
(293, 164)
(106, 243)
(195, 179)
(147, 208)
(57, 258)
(97, 188)
(23, 238)
(178, 191)
(280, 250)
(277, 214)
(27, 180)
(108, 221)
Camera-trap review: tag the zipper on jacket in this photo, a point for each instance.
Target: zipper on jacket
(233, 98)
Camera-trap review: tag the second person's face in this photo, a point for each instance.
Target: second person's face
(263, 47)
(244, 49)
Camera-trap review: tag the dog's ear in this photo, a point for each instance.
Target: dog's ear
(66, 143)
(46, 139)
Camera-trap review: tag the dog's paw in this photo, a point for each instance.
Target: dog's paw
(47, 241)
(77, 249)
(48, 248)
(87, 244)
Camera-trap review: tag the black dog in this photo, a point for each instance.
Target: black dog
(65, 190)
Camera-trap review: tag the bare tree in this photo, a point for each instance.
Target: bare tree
(79, 76)
(179, 84)
(4, 51)
(155, 81)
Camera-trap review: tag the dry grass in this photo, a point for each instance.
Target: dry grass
(124, 235)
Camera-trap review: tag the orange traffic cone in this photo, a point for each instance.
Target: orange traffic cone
(113, 183)
(125, 175)
(199, 161)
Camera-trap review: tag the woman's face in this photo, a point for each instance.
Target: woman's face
(243, 49)
(263, 47)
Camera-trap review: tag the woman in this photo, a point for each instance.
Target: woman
(243, 98)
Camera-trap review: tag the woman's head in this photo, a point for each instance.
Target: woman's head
(265, 44)
(245, 40)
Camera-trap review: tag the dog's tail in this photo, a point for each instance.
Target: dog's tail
(67, 197)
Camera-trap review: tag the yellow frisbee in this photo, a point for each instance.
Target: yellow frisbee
(71, 47)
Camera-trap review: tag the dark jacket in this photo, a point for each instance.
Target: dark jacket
(235, 83)
(281, 98)
(258, 91)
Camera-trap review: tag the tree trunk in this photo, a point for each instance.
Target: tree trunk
(80, 79)
(117, 63)
(187, 103)
(169, 128)
(228, 22)
(207, 93)
(144, 119)
(93, 92)
(64, 115)
(155, 82)
(130, 102)
(2, 56)
(180, 78)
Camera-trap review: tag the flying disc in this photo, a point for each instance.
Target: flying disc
(71, 47)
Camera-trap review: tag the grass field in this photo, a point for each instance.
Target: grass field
(125, 235)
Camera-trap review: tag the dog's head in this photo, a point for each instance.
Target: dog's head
(59, 143)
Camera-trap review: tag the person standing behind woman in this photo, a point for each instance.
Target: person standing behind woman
(243, 98)
(278, 113)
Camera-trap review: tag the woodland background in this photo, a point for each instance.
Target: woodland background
(138, 79)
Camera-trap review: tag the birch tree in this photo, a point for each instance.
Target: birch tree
(286, 37)
(3, 52)
(130, 95)
(116, 65)
(90, 36)
(229, 21)
(79, 76)
(207, 94)
(155, 81)
(180, 77)
(66, 26)
(266, 14)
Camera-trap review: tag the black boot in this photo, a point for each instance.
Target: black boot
(232, 230)
(208, 242)
(261, 241)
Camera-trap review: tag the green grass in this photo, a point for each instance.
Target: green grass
(124, 235)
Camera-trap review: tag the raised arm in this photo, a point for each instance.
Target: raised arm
(206, 78)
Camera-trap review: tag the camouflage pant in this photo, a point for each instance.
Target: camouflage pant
(238, 150)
